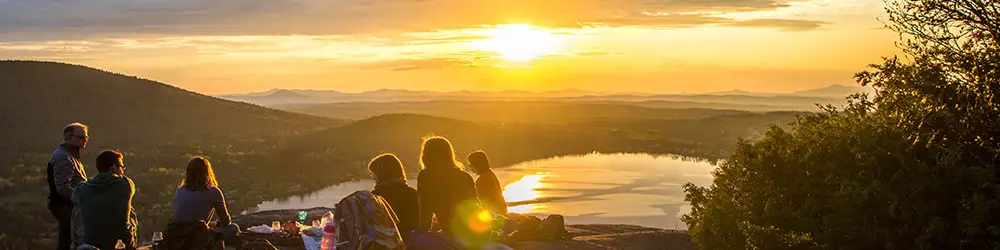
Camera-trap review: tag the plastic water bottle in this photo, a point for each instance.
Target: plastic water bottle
(329, 233)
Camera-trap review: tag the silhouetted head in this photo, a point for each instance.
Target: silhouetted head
(438, 153)
(387, 167)
(199, 175)
(75, 134)
(110, 162)
(478, 162)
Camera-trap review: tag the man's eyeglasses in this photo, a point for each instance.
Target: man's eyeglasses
(82, 137)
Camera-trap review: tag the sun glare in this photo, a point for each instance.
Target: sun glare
(519, 42)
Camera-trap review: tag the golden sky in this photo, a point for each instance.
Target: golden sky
(660, 46)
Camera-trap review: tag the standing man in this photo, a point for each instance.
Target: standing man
(64, 173)
(105, 205)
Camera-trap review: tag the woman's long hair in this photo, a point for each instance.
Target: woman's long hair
(387, 167)
(199, 175)
(437, 152)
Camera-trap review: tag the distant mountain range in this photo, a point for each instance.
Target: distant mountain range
(832, 91)
(305, 96)
(798, 100)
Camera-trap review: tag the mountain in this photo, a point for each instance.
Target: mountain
(505, 111)
(268, 98)
(795, 102)
(805, 100)
(833, 91)
(284, 93)
(38, 98)
(741, 92)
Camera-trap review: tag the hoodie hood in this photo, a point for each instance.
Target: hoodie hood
(105, 181)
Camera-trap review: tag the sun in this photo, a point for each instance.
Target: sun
(519, 42)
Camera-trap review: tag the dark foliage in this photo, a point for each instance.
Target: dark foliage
(914, 168)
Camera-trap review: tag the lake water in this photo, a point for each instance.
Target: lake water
(636, 189)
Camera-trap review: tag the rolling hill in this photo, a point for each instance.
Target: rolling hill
(38, 98)
(349, 147)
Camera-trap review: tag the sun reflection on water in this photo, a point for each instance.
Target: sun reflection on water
(525, 189)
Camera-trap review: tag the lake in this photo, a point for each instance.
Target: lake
(637, 189)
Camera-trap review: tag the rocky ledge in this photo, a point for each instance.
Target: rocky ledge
(585, 237)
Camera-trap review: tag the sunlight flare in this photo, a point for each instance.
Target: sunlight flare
(519, 42)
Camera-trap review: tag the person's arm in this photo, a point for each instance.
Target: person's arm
(62, 174)
(424, 204)
(133, 220)
(219, 204)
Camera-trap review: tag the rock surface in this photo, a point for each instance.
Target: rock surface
(585, 237)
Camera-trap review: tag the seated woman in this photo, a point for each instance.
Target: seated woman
(198, 199)
(446, 192)
(487, 185)
(390, 183)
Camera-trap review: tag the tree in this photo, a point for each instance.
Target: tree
(913, 168)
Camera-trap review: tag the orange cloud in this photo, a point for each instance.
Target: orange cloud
(62, 20)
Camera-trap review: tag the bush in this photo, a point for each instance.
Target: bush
(913, 168)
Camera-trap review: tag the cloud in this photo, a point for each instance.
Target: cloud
(687, 6)
(414, 64)
(662, 20)
(61, 20)
(597, 53)
(412, 39)
(783, 24)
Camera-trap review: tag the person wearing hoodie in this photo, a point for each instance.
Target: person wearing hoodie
(105, 205)
(390, 183)
(63, 174)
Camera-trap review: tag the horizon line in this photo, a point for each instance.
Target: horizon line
(585, 92)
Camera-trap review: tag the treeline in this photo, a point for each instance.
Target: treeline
(911, 167)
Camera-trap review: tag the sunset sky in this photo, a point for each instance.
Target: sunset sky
(661, 46)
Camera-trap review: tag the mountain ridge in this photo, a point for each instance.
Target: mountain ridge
(37, 98)
(823, 95)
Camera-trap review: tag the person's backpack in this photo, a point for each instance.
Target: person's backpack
(187, 236)
(365, 221)
(420, 240)
(553, 228)
(520, 227)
